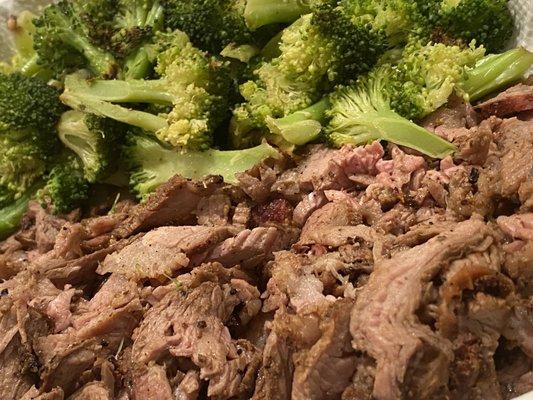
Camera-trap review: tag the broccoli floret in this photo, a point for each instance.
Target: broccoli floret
(21, 165)
(195, 85)
(488, 22)
(29, 111)
(66, 187)
(292, 81)
(259, 13)
(336, 43)
(63, 38)
(94, 140)
(427, 75)
(151, 164)
(362, 113)
(214, 24)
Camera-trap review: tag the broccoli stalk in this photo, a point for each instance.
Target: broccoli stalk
(153, 164)
(259, 13)
(496, 71)
(302, 126)
(11, 214)
(362, 114)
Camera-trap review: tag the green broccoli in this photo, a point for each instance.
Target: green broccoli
(494, 72)
(151, 164)
(66, 187)
(362, 113)
(302, 126)
(64, 37)
(427, 75)
(11, 214)
(214, 24)
(488, 22)
(292, 81)
(333, 45)
(136, 24)
(195, 85)
(94, 140)
(29, 111)
(419, 83)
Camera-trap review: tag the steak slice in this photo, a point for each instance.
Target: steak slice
(173, 203)
(190, 325)
(163, 251)
(384, 323)
(514, 100)
(324, 371)
(248, 249)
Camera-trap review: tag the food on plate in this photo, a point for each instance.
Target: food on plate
(267, 200)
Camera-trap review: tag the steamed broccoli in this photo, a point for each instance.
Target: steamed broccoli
(488, 22)
(194, 86)
(94, 140)
(63, 37)
(418, 84)
(136, 24)
(214, 24)
(11, 214)
(29, 110)
(362, 114)
(494, 72)
(66, 187)
(427, 75)
(333, 45)
(151, 164)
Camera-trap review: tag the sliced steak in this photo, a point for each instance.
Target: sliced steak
(325, 370)
(384, 323)
(249, 248)
(518, 226)
(160, 253)
(152, 383)
(173, 203)
(190, 324)
(514, 100)
(214, 210)
(454, 114)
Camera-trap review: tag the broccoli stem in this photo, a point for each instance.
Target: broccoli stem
(389, 126)
(302, 126)
(100, 61)
(153, 164)
(11, 215)
(496, 71)
(258, 13)
(149, 122)
(119, 91)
